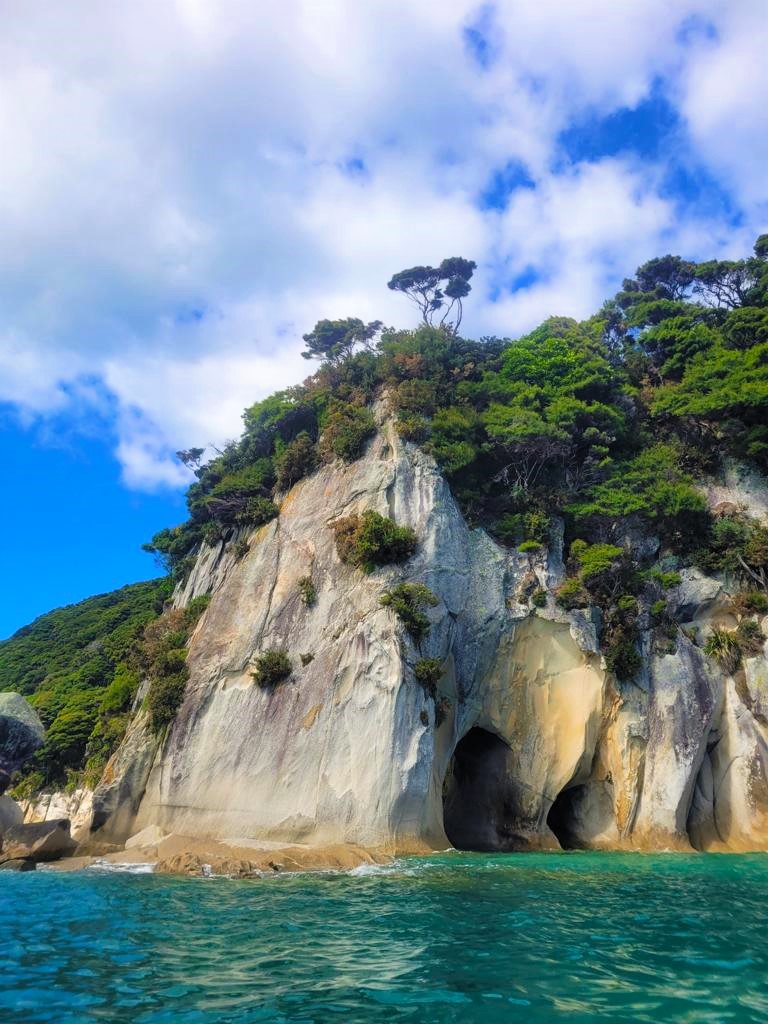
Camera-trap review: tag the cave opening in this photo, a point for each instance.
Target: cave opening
(561, 815)
(475, 804)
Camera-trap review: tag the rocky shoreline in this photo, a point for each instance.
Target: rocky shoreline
(185, 855)
(49, 846)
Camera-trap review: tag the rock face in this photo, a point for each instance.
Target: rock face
(528, 742)
(76, 807)
(21, 734)
(44, 841)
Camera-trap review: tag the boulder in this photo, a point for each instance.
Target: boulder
(694, 595)
(21, 734)
(43, 841)
(10, 814)
(194, 864)
(19, 864)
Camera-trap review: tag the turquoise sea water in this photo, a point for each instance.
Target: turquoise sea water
(470, 938)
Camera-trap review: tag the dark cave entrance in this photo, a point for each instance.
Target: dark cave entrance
(560, 817)
(474, 793)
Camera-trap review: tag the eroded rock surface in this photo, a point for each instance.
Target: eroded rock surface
(528, 742)
(76, 807)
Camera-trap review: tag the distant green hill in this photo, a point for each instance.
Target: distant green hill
(72, 663)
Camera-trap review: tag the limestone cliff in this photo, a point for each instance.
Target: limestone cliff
(533, 742)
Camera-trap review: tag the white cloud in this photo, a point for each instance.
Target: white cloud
(724, 94)
(179, 202)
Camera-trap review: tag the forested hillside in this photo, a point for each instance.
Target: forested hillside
(609, 424)
(75, 664)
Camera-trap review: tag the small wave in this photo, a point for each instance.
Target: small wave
(124, 869)
(369, 870)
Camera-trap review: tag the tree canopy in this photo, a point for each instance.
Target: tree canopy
(334, 340)
(437, 291)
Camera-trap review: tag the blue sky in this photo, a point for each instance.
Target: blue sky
(187, 187)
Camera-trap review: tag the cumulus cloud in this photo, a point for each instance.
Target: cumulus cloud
(187, 186)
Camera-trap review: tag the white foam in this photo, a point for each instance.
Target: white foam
(125, 869)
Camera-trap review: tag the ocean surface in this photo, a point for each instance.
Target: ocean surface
(467, 938)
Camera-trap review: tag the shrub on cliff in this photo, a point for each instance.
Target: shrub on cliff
(235, 497)
(571, 594)
(428, 672)
(371, 539)
(161, 658)
(348, 429)
(654, 486)
(407, 601)
(737, 545)
(295, 461)
(164, 699)
(529, 527)
(196, 607)
(271, 668)
(307, 591)
(750, 637)
(257, 511)
(749, 601)
(723, 646)
(621, 654)
(605, 571)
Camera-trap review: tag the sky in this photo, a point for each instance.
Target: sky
(187, 186)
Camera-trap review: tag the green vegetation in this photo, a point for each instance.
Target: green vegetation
(297, 460)
(750, 637)
(76, 666)
(86, 640)
(348, 429)
(162, 659)
(605, 575)
(428, 672)
(81, 667)
(335, 340)
(739, 546)
(307, 591)
(728, 647)
(437, 291)
(271, 668)
(749, 601)
(370, 539)
(723, 646)
(407, 601)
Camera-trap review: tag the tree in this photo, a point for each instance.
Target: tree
(669, 276)
(724, 283)
(191, 457)
(433, 289)
(334, 340)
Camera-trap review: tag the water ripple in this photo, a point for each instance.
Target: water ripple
(533, 938)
